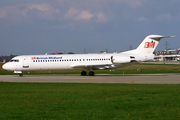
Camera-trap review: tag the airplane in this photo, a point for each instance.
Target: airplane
(143, 52)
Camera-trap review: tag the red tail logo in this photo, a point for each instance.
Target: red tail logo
(149, 44)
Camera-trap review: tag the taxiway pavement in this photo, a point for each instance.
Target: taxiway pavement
(124, 79)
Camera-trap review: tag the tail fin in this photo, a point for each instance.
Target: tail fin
(150, 43)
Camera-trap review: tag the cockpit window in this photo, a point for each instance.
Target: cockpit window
(14, 60)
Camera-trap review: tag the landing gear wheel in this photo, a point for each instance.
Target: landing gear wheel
(91, 73)
(83, 73)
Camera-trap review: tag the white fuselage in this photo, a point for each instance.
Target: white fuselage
(72, 61)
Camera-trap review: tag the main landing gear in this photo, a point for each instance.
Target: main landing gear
(84, 73)
(91, 73)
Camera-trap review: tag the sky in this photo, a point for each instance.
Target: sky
(47, 26)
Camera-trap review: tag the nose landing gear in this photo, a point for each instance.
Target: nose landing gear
(20, 75)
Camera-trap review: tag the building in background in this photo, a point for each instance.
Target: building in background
(167, 55)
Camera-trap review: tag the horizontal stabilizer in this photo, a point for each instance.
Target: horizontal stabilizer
(159, 37)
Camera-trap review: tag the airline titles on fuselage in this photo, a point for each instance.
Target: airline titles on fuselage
(44, 58)
(55, 59)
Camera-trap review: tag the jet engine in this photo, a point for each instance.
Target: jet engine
(122, 59)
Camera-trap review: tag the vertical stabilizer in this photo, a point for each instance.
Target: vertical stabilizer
(150, 43)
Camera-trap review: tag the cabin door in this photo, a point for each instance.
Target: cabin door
(25, 62)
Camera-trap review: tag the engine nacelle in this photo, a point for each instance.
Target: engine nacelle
(122, 59)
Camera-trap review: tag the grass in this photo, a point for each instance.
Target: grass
(91, 101)
(88, 101)
(132, 69)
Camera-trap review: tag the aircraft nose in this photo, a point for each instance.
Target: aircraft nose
(6, 66)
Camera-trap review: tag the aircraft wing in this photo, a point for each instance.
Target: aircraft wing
(93, 66)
